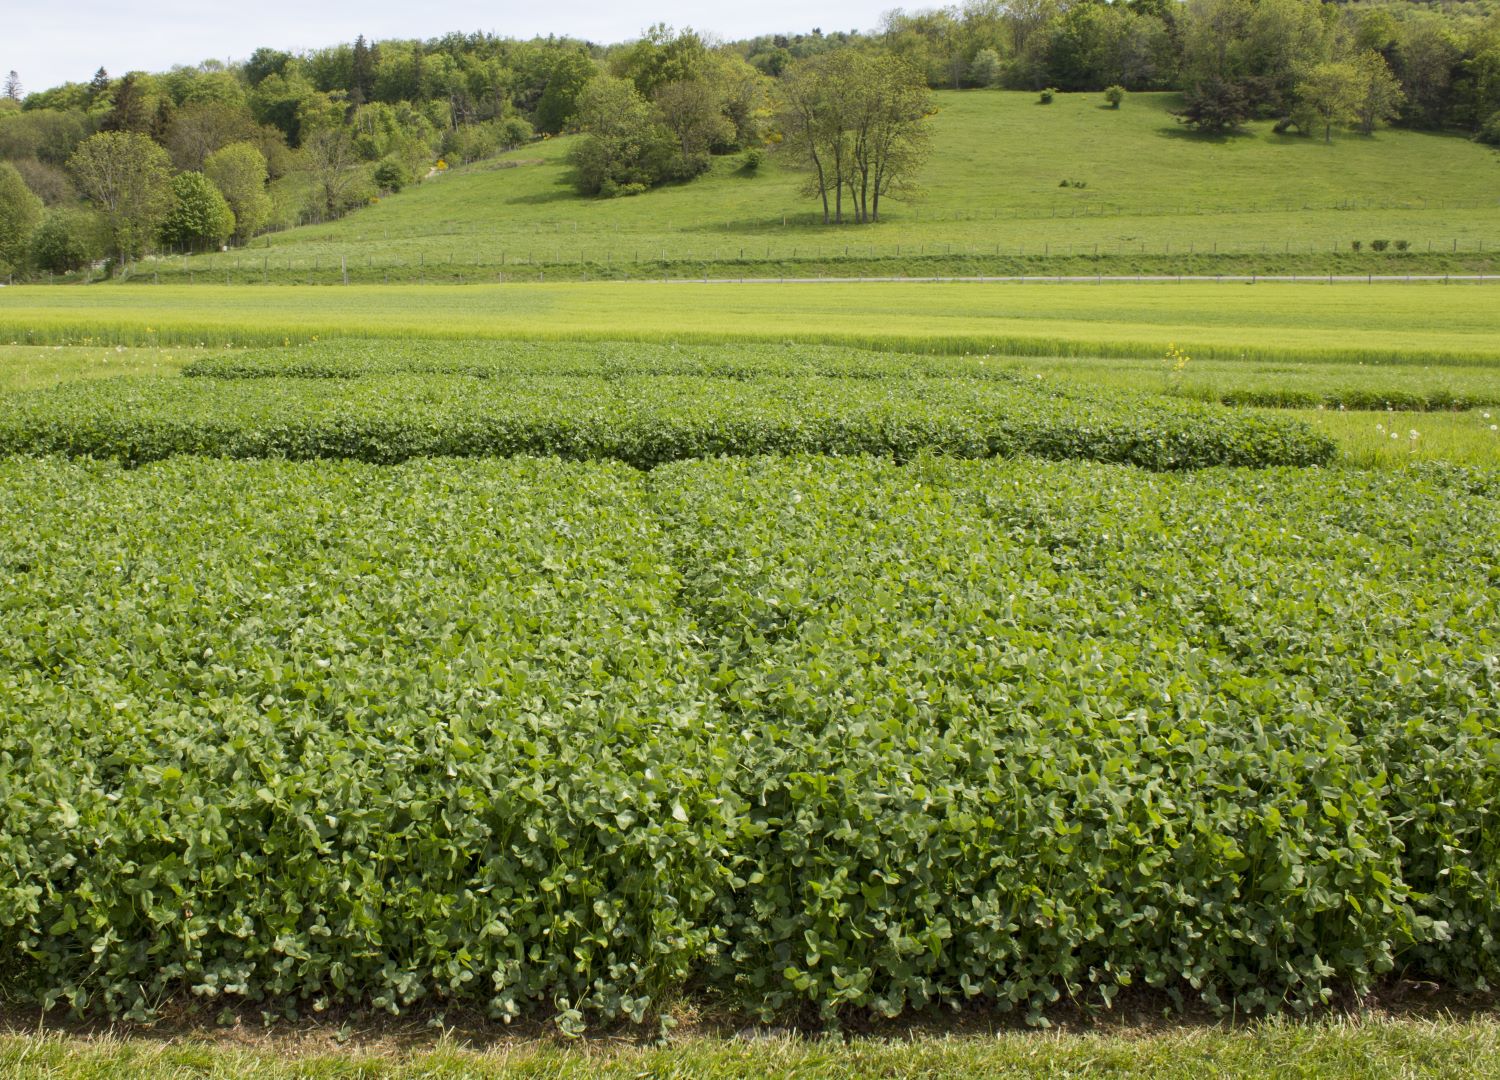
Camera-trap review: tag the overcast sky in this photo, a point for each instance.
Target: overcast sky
(50, 41)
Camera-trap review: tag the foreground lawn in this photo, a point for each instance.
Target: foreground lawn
(1379, 324)
(1375, 1048)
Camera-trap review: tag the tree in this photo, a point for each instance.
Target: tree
(129, 179)
(335, 168)
(200, 219)
(814, 124)
(986, 67)
(693, 113)
(239, 172)
(362, 73)
(660, 57)
(67, 240)
(626, 149)
(1214, 106)
(13, 89)
(127, 111)
(20, 214)
(1329, 92)
(199, 128)
(570, 73)
(98, 87)
(1377, 94)
(855, 121)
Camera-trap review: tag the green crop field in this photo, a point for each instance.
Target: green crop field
(1157, 198)
(676, 669)
(1376, 324)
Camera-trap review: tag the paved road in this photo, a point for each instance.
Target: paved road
(1106, 279)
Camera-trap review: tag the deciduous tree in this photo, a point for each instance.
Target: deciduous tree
(200, 219)
(128, 178)
(239, 172)
(20, 214)
(1329, 92)
(1377, 94)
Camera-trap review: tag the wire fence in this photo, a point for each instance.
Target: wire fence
(479, 264)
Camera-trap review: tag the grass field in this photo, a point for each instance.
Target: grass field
(1375, 324)
(1374, 1049)
(1157, 197)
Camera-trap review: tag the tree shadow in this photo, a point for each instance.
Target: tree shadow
(1187, 134)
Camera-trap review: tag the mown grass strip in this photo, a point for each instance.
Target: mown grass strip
(1372, 1049)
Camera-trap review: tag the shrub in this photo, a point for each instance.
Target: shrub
(1046, 96)
(390, 175)
(1357, 245)
(1114, 95)
(1402, 245)
(753, 159)
(1379, 245)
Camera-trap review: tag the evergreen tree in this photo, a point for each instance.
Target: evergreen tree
(98, 86)
(13, 88)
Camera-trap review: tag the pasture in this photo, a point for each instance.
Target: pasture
(1144, 195)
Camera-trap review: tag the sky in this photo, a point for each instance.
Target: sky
(48, 42)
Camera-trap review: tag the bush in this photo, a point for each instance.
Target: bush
(1379, 245)
(1046, 96)
(390, 175)
(753, 159)
(1114, 95)
(1403, 245)
(1356, 245)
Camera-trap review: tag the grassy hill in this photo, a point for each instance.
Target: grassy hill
(1155, 197)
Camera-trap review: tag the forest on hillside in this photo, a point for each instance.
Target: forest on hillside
(197, 157)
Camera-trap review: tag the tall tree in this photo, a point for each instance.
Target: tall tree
(129, 179)
(693, 111)
(13, 88)
(239, 172)
(1329, 92)
(362, 75)
(856, 122)
(625, 149)
(200, 218)
(335, 166)
(127, 111)
(1377, 93)
(20, 214)
(98, 87)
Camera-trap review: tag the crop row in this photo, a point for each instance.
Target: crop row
(640, 420)
(795, 731)
(353, 358)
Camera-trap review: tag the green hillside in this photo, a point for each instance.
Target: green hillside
(1156, 197)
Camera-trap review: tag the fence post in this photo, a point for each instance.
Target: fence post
(344, 266)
